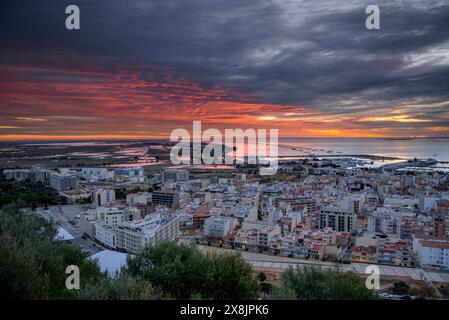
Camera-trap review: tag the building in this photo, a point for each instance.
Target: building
(75, 195)
(243, 212)
(32, 175)
(103, 197)
(353, 203)
(435, 255)
(308, 202)
(132, 237)
(257, 234)
(168, 199)
(17, 175)
(140, 198)
(364, 254)
(116, 216)
(110, 261)
(106, 234)
(174, 175)
(337, 219)
(87, 224)
(394, 252)
(131, 171)
(217, 227)
(433, 252)
(63, 181)
(390, 225)
(96, 173)
(442, 206)
(133, 174)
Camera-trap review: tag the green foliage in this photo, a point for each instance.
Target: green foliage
(311, 283)
(32, 265)
(282, 293)
(181, 271)
(400, 287)
(229, 277)
(176, 270)
(265, 287)
(27, 193)
(125, 287)
(261, 277)
(120, 194)
(136, 189)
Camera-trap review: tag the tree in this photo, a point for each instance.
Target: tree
(182, 272)
(136, 189)
(230, 277)
(26, 193)
(125, 287)
(120, 194)
(32, 265)
(309, 283)
(261, 277)
(400, 287)
(312, 283)
(178, 270)
(282, 293)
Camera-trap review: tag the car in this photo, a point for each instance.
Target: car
(385, 296)
(405, 297)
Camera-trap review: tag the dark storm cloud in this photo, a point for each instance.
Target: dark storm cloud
(311, 53)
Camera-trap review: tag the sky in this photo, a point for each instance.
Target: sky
(139, 68)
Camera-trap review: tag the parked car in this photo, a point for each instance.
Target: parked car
(385, 296)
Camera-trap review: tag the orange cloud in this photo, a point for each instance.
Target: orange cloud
(95, 102)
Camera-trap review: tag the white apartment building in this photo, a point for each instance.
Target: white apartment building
(33, 175)
(390, 225)
(174, 175)
(96, 173)
(116, 216)
(435, 255)
(353, 203)
(143, 198)
(63, 181)
(433, 252)
(87, 224)
(106, 234)
(103, 197)
(131, 174)
(244, 212)
(388, 221)
(337, 219)
(218, 226)
(134, 236)
(396, 201)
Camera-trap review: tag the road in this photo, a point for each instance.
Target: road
(276, 262)
(61, 215)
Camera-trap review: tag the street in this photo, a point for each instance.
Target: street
(66, 217)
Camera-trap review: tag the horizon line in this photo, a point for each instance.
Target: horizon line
(115, 138)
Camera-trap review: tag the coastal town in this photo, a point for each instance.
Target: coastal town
(323, 211)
